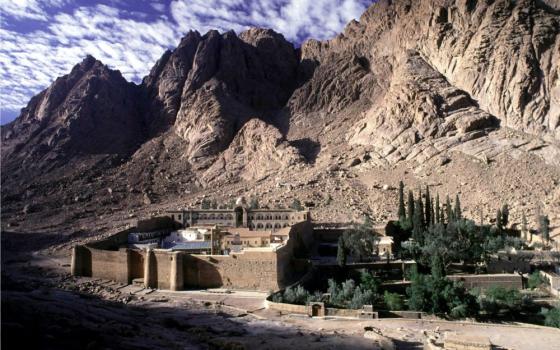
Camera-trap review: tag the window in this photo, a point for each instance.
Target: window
(179, 216)
(172, 217)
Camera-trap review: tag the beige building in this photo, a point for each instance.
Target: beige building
(240, 217)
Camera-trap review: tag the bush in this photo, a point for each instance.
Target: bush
(359, 298)
(535, 280)
(499, 301)
(369, 282)
(552, 317)
(296, 295)
(393, 301)
(438, 295)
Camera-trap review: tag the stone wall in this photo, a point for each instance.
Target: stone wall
(251, 269)
(245, 270)
(287, 308)
(484, 281)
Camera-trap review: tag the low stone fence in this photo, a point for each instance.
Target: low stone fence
(553, 280)
(319, 309)
(505, 280)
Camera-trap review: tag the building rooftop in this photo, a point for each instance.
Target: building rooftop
(196, 245)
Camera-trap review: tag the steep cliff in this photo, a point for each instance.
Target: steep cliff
(412, 85)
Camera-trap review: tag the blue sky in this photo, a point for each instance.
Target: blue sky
(44, 39)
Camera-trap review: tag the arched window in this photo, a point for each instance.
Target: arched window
(221, 216)
(259, 217)
(203, 217)
(277, 225)
(285, 225)
(286, 217)
(269, 225)
(259, 225)
(211, 217)
(268, 217)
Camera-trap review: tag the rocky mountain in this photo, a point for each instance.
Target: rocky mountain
(446, 93)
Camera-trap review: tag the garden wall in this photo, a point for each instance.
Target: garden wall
(485, 281)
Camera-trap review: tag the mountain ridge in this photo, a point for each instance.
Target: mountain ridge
(410, 84)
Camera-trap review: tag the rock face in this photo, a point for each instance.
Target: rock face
(90, 111)
(211, 85)
(257, 150)
(409, 82)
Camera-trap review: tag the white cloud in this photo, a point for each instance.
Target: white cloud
(29, 9)
(128, 41)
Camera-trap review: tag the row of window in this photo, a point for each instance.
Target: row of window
(268, 225)
(230, 217)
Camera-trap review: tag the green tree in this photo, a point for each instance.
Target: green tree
(369, 282)
(457, 212)
(535, 280)
(417, 225)
(410, 207)
(428, 207)
(437, 210)
(296, 204)
(418, 296)
(499, 223)
(544, 227)
(448, 210)
(422, 214)
(360, 242)
(393, 301)
(499, 302)
(401, 211)
(205, 204)
(552, 317)
(505, 215)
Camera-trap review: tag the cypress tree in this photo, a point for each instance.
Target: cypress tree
(524, 225)
(499, 224)
(432, 214)
(438, 217)
(417, 226)
(457, 208)
(448, 209)
(401, 212)
(544, 228)
(410, 212)
(505, 215)
(428, 207)
(421, 207)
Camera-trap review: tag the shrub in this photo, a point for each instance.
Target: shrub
(359, 299)
(499, 301)
(535, 280)
(369, 282)
(552, 317)
(393, 301)
(296, 295)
